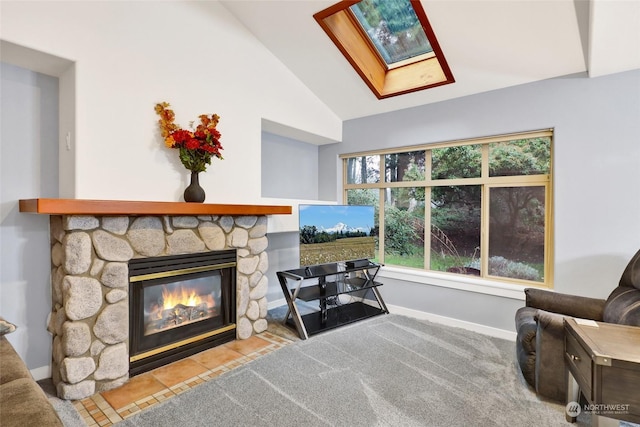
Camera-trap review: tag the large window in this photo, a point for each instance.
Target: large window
(476, 207)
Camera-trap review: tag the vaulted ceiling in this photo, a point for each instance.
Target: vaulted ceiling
(489, 44)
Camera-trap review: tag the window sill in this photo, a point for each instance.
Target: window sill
(468, 284)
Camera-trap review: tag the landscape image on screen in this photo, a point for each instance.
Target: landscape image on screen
(333, 233)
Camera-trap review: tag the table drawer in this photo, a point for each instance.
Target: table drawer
(579, 362)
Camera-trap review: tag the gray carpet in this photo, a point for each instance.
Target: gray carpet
(65, 409)
(387, 371)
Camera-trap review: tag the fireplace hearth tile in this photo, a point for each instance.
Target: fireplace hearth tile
(141, 392)
(177, 372)
(216, 356)
(135, 389)
(248, 346)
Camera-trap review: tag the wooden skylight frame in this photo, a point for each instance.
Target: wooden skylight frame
(422, 73)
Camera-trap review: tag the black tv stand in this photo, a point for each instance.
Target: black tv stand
(346, 292)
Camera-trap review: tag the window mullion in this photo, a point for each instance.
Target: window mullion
(485, 161)
(362, 186)
(484, 230)
(428, 169)
(427, 228)
(381, 204)
(344, 180)
(548, 236)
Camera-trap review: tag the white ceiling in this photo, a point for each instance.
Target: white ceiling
(488, 44)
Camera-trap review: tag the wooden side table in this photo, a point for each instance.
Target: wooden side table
(603, 361)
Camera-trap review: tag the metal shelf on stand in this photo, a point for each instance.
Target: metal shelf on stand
(346, 292)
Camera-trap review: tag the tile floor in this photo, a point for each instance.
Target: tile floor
(147, 389)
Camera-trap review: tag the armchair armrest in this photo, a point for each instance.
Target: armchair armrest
(549, 378)
(569, 305)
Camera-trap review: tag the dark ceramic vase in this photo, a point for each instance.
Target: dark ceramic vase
(194, 193)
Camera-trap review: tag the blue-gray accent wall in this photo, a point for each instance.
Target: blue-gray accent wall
(596, 179)
(28, 169)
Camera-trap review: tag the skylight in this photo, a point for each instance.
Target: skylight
(394, 29)
(389, 43)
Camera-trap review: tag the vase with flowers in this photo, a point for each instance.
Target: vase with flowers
(197, 145)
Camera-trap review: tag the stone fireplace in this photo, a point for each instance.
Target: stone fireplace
(90, 255)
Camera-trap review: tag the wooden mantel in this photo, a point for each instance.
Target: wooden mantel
(127, 207)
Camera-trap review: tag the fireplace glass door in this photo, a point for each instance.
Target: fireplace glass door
(178, 307)
(180, 303)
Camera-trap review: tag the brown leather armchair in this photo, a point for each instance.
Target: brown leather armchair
(540, 332)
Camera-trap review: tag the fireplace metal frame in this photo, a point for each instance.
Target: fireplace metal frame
(204, 334)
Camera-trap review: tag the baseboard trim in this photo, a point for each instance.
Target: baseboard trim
(41, 373)
(457, 323)
(276, 303)
(423, 315)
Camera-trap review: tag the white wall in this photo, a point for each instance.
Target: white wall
(119, 60)
(28, 168)
(195, 55)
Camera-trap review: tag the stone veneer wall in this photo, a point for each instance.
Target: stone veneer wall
(90, 286)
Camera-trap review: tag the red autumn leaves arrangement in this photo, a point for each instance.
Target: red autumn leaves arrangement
(197, 146)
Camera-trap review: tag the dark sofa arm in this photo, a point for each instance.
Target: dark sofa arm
(549, 377)
(569, 305)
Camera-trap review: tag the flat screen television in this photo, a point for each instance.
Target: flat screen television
(335, 233)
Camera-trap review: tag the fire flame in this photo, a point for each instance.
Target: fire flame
(182, 296)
